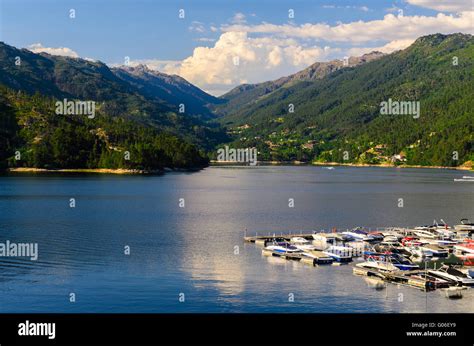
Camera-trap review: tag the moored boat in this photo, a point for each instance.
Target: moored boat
(465, 225)
(453, 274)
(381, 265)
(435, 250)
(342, 254)
(282, 248)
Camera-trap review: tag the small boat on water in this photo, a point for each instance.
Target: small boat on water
(282, 248)
(322, 241)
(302, 244)
(391, 239)
(435, 250)
(427, 234)
(465, 225)
(403, 263)
(399, 250)
(360, 234)
(341, 254)
(453, 274)
(399, 261)
(381, 265)
(442, 242)
(419, 251)
(299, 240)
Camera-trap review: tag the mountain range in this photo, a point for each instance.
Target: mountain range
(247, 94)
(338, 117)
(133, 111)
(329, 111)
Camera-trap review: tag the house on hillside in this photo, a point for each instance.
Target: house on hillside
(398, 158)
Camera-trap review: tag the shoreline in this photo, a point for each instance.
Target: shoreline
(299, 163)
(115, 171)
(126, 171)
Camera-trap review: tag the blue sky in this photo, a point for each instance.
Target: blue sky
(151, 32)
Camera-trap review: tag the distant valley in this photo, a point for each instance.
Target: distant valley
(328, 112)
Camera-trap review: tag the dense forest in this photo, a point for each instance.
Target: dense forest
(33, 135)
(338, 118)
(135, 127)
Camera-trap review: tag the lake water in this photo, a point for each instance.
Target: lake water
(190, 250)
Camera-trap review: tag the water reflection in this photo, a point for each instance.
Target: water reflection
(199, 249)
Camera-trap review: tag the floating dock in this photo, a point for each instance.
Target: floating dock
(419, 278)
(404, 277)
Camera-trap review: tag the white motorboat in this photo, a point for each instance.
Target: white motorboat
(282, 248)
(322, 241)
(442, 242)
(391, 239)
(423, 228)
(340, 254)
(453, 274)
(435, 250)
(444, 233)
(302, 244)
(465, 225)
(299, 240)
(382, 265)
(359, 234)
(419, 251)
(426, 234)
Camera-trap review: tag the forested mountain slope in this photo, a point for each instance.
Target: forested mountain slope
(342, 111)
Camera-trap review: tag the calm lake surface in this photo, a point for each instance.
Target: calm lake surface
(190, 250)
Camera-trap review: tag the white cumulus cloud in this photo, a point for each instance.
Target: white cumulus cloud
(389, 28)
(268, 51)
(63, 51)
(214, 69)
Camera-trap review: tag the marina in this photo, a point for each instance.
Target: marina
(410, 257)
(194, 249)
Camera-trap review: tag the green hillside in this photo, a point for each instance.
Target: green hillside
(80, 79)
(341, 112)
(31, 128)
